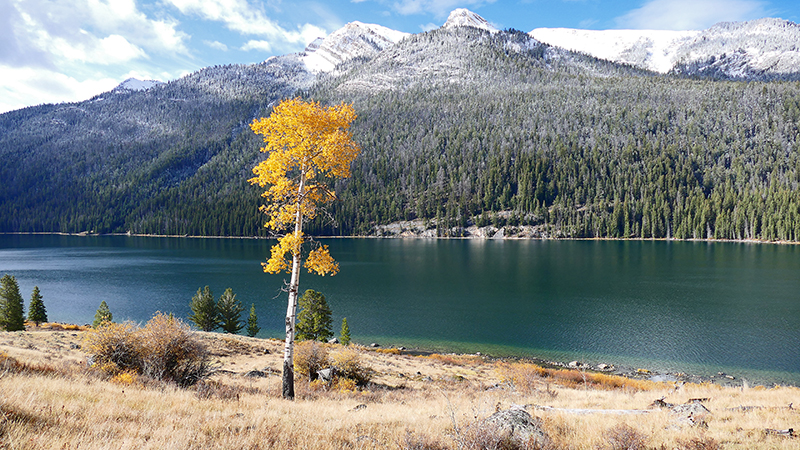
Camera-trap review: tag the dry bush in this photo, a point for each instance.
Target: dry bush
(699, 443)
(164, 350)
(624, 437)
(170, 352)
(524, 377)
(388, 351)
(455, 360)
(413, 441)
(114, 346)
(309, 358)
(347, 364)
(206, 390)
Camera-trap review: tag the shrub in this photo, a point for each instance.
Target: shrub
(171, 353)
(164, 350)
(310, 357)
(347, 364)
(114, 344)
(624, 437)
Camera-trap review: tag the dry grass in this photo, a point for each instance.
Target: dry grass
(49, 400)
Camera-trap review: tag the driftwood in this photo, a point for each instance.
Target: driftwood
(592, 411)
(785, 433)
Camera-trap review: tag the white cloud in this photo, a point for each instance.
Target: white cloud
(246, 19)
(439, 8)
(70, 50)
(429, 26)
(216, 45)
(28, 86)
(690, 14)
(263, 46)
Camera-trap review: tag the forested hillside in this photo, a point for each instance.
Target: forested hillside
(456, 125)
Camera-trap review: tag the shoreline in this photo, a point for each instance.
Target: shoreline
(399, 237)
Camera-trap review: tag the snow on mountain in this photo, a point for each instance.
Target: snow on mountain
(768, 47)
(465, 18)
(763, 47)
(134, 84)
(649, 49)
(353, 40)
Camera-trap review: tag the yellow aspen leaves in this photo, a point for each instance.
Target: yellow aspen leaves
(319, 260)
(307, 145)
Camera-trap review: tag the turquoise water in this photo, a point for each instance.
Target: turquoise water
(679, 306)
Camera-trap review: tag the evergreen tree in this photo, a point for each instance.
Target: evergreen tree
(12, 316)
(36, 310)
(102, 315)
(204, 310)
(344, 335)
(314, 319)
(230, 312)
(252, 322)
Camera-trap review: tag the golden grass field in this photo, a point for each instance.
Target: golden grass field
(51, 399)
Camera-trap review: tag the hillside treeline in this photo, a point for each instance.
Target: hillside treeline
(456, 126)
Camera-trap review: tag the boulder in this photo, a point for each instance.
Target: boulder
(518, 426)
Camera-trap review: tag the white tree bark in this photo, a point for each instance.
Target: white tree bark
(291, 310)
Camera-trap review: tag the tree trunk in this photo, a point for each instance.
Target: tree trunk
(291, 310)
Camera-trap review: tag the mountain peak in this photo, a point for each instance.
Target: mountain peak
(353, 40)
(462, 17)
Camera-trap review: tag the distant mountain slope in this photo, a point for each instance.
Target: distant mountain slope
(759, 49)
(460, 125)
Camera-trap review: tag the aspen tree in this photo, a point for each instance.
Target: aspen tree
(308, 145)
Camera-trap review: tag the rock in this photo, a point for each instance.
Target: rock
(691, 413)
(333, 341)
(255, 374)
(325, 375)
(359, 407)
(374, 345)
(574, 364)
(518, 426)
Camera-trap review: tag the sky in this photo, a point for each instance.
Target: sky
(55, 51)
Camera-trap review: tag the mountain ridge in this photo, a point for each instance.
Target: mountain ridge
(459, 126)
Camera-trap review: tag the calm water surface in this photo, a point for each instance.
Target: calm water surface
(677, 306)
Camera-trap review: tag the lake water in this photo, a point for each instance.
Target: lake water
(672, 306)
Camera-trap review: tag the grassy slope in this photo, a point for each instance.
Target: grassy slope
(415, 402)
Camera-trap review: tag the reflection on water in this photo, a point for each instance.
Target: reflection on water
(671, 305)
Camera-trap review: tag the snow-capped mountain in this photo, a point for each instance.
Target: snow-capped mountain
(355, 39)
(465, 18)
(135, 84)
(649, 49)
(763, 48)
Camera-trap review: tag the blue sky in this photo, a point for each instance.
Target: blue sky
(69, 50)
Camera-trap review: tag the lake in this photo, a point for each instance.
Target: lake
(694, 307)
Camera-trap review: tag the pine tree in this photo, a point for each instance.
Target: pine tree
(36, 310)
(12, 317)
(344, 335)
(102, 315)
(314, 319)
(252, 322)
(204, 310)
(230, 312)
